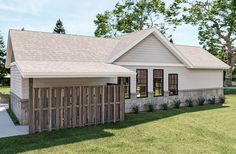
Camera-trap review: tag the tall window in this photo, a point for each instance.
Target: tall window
(126, 82)
(141, 83)
(158, 82)
(173, 84)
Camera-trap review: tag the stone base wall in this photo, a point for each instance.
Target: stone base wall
(20, 108)
(182, 95)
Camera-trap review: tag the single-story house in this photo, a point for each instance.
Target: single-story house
(150, 68)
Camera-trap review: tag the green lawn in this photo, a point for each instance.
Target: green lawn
(5, 90)
(202, 129)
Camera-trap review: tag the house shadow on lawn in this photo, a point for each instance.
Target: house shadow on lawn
(49, 139)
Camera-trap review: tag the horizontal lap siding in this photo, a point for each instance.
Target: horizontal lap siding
(62, 82)
(16, 81)
(188, 78)
(150, 50)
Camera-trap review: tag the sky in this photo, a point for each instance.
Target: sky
(77, 17)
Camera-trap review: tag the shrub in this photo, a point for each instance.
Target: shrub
(222, 99)
(164, 106)
(200, 101)
(135, 109)
(150, 106)
(189, 102)
(176, 103)
(212, 100)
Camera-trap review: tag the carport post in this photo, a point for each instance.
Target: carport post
(31, 112)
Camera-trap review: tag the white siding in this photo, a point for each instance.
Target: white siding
(188, 78)
(63, 82)
(19, 85)
(16, 81)
(150, 50)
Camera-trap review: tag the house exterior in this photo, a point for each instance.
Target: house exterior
(150, 67)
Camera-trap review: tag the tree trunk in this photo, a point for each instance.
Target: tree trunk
(229, 72)
(228, 77)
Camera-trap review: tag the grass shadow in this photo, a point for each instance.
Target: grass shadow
(144, 117)
(49, 139)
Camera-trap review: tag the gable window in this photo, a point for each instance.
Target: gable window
(173, 84)
(142, 83)
(126, 82)
(158, 82)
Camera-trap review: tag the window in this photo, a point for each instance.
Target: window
(126, 82)
(173, 84)
(141, 83)
(158, 82)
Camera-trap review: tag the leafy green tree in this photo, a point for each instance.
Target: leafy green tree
(3, 70)
(59, 28)
(131, 15)
(216, 22)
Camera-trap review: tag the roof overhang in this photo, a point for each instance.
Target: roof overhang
(57, 69)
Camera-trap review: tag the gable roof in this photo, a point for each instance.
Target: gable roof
(200, 58)
(42, 46)
(31, 48)
(130, 40)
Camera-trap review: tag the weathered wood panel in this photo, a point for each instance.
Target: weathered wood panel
(67, 107)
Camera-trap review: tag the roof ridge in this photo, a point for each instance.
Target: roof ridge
(187, 45)
(74, 35)
(126, 34)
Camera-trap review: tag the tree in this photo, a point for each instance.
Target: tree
(131, 15)
(3, 70)
(59, 28)
(216, 24)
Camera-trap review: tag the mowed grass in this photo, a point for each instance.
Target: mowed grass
(5, 90)
(200, 129)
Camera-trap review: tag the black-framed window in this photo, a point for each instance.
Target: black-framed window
(158, 82)
(142, 83)
(173, 84)
(126, 82)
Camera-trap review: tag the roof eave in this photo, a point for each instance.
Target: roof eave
(76, 75)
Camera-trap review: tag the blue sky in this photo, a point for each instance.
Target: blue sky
(77, 16)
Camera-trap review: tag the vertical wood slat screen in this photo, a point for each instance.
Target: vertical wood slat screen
(69, 107)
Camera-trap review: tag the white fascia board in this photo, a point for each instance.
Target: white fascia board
(119, 54)
(173, 49)
(76, 75)
(149, 64)
(9, 52)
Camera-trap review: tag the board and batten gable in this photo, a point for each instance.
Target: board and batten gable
(149, 50)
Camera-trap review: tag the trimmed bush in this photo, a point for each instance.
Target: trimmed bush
(150, 106)
(135, 109)
(212, 100)
(189, 102)
(222, 99)
(164, 106)
(176, 103)
(200, 101)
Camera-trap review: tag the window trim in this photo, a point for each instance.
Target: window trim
(162, 83)
(119, 82)
(177, 84)
(146, 83)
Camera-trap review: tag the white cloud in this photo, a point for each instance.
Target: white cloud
(26, 6)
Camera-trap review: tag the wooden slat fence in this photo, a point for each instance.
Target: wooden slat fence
(68, 107)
